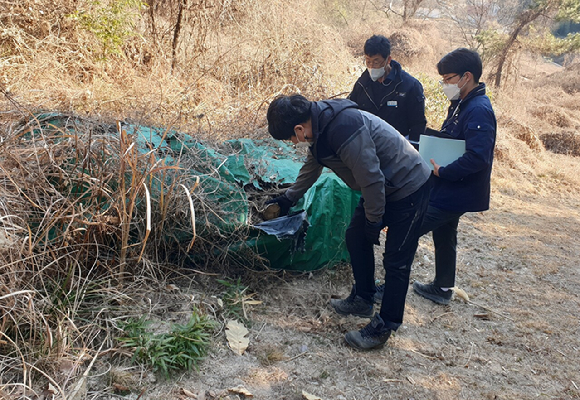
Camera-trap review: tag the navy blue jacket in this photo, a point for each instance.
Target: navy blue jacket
(399, 100)
(464, 185)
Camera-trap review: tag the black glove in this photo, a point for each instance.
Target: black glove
(373, 231)
(283, 202)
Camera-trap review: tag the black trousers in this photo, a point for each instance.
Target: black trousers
(404, 218)
(443, 224)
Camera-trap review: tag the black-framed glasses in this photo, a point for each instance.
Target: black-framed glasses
(445, 81)
(374, 63)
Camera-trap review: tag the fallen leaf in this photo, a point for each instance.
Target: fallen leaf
(483, 316)
(51, 389)
(66, 366)
(188, 393)
(172, 288)
(241, 390)
(461, 293)
(235, 334)
(309, 396)
(120, 388)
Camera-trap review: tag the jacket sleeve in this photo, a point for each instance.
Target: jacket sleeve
(416, 112)
(307, 176)
(360, 156)
(479, 131)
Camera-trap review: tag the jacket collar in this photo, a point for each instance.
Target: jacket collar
(477, 91)
(324, 112)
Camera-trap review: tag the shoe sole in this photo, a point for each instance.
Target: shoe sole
(354, 345)
(429, 296)
(369, 315)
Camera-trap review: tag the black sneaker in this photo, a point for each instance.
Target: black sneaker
(433, 292)
(379, 291)
(353, 305)
(372, 336)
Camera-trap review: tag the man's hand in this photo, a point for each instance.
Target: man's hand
(435, 167)
(284, 202)
(373, 231)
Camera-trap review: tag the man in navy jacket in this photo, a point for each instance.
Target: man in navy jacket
(370, 156)
(390, 93)
(464, 185)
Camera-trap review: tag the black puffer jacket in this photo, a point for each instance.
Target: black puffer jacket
(399, 100)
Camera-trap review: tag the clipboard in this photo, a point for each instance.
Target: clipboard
(443, 151)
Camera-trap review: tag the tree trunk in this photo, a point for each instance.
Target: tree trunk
(524, 20)
(151, 4)
(176, 32)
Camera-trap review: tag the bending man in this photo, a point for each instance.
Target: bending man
(369, 155)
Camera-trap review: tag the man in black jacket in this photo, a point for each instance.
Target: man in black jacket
(390, 93)
(373, 158)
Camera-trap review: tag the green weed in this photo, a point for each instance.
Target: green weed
(180, 349)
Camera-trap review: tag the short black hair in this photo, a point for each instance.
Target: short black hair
(460, 61)
(285, 112)
(377, 44)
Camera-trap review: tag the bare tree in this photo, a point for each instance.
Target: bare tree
(537, 9)
(523, 21)
(410, 8)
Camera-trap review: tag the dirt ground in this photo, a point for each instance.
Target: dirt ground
(517, 338)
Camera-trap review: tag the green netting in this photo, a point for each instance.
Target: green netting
(235, 171)
(329, 203)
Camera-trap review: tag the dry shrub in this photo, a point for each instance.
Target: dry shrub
(514, 169)
(522, 132)
(553, 115)
(231, 59)
(567, 143)
(408, 45)
(568, 79)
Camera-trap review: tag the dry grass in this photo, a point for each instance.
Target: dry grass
(75, 250)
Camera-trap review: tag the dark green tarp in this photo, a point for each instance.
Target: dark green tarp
(241, 169)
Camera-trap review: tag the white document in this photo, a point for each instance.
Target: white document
(443, 151)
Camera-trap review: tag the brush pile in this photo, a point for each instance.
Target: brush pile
(87, 209)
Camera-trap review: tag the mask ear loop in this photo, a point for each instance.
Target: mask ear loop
(460, 81)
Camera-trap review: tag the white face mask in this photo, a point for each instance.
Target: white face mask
(303, 145)
(451, 90)
(376, 73)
